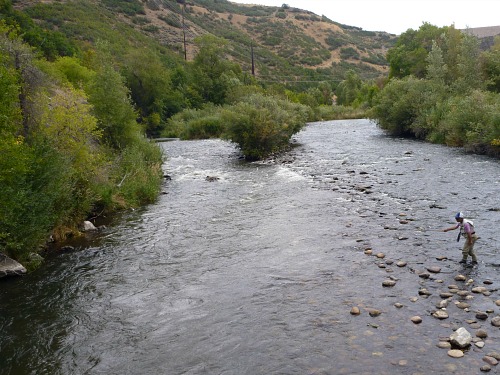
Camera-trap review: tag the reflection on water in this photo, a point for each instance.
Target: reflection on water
(257, 271)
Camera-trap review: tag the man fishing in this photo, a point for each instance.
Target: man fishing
(468, 232)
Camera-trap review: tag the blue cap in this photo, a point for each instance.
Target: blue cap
(459, 215)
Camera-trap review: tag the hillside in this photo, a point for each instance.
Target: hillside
(288, 44)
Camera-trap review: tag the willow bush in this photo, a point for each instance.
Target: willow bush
(262, 125)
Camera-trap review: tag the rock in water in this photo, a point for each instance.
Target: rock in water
(9, 267)
(461, 338)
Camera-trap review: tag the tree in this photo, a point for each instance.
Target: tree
(348, 89)
(212, 73)
(469, 72)
(490, 65)
(410, 52)
(436, 68)
(111, 103)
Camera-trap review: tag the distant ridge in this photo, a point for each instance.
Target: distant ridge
(484, 32)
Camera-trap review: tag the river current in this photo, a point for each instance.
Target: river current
(255, 269)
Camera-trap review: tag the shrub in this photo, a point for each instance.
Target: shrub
(471, 121)
(263, 125)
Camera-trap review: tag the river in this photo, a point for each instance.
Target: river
(256, 270)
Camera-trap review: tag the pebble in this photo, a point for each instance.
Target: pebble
(445, 294)
(479, 289)
(440, 314)
(495, 355)
(460, 278)
(398, 305)
(374, 312)
(462, 305)
(380, 255)
(487, 282)
(403, 264)
(444, 345)
(388, 283)
(434, 269)
(490, 360)
(368, 252)
(495, 321)
(479, 344)
(481, 315)
(414, 299)
(455, 353)
(463, 293)
(441, 257)
(355, 310)
(497, 302)
(481, 333)
(485, 368)
(424, 292)
(442, 303)
(416, 319)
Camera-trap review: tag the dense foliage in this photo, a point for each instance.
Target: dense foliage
(70, 146)
(443, 89)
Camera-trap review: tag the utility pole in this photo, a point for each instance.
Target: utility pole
(253, 63)
(184, 29)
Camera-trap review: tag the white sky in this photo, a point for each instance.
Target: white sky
(397, 16)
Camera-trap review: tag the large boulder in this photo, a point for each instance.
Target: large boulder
(9, 267)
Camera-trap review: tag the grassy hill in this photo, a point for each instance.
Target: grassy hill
(288, 44)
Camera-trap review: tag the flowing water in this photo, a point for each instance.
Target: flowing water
(255, 271)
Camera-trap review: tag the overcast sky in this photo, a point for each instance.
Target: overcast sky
(397, 16)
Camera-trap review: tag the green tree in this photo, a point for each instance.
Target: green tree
(348, 90)
(490, 65)
(213, 75)
(469, 70)
(436, 68)
(151, 90)
(408, 56)
(111, 103)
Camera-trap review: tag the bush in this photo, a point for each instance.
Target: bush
(471, 122)
(195, 124)
(263, 125)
